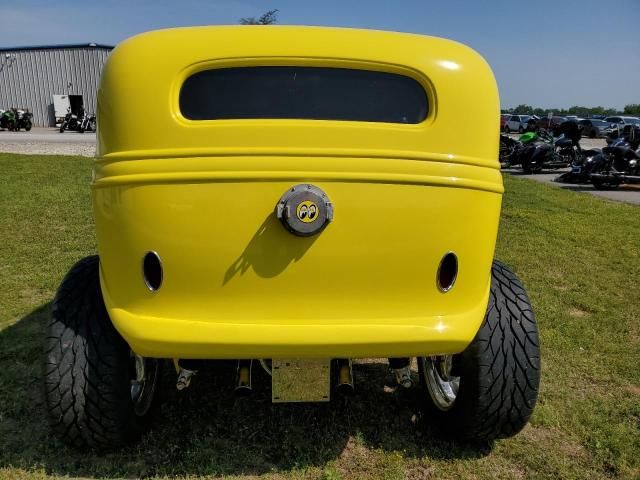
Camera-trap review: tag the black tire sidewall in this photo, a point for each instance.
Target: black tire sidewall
(493, 401)
(81, 338)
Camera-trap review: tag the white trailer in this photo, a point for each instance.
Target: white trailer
(62, 104)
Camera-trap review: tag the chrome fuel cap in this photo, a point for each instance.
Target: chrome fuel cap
(304, 210)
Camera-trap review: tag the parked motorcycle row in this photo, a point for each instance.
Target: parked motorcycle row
(15, 119)
(79, 123)
(607, 168)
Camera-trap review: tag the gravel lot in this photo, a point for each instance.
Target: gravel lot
(48, 141)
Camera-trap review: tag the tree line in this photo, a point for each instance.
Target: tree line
(631, 109)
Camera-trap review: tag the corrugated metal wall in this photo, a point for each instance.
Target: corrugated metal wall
(30, 77)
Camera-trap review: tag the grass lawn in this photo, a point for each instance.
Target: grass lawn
(579, 257)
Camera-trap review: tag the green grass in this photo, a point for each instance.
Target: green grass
(578, 256)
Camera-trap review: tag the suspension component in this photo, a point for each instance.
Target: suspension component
(184, 378)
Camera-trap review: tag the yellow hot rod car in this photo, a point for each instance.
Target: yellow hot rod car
(295, 197)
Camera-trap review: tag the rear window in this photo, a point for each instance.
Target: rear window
(316, 93)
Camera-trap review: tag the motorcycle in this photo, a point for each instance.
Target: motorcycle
(547, 152)
(619, 162)
(581, 167)
(24, 119)
(511, 150)
(70, 122)
(8, 119)
(584, 160)
(553, 153)
(508, 147)
(87, 123)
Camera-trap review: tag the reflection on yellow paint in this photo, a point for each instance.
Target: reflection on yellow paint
(449, 65)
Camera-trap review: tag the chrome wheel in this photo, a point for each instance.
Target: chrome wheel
(143, 379)
(442, 386)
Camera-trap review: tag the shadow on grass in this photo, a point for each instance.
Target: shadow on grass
(208, 430)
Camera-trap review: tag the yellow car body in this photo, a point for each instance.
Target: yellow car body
(201, 193)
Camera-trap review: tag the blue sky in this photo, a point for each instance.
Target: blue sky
(544, 52)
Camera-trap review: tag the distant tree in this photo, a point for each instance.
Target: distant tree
(578, 111)
(268, 18)
(523, 110)
(632, 109)
(597, 111)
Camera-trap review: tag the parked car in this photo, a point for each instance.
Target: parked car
(517, 123)
(594, 128)
(622, 121)
(504, 118)
(550, 124)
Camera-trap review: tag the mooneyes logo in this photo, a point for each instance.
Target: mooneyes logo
(307, 211)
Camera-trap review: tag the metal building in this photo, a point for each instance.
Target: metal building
(30, 76)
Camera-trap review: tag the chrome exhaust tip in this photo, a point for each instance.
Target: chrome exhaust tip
(345, 377)
(243, 377)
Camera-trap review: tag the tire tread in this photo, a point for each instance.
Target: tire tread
(500, 369)
(86, 365)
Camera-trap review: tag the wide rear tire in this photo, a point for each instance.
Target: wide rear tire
(95, 393)
(527, 168)
(495, 379)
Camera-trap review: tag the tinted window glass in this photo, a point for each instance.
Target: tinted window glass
(303, 93)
